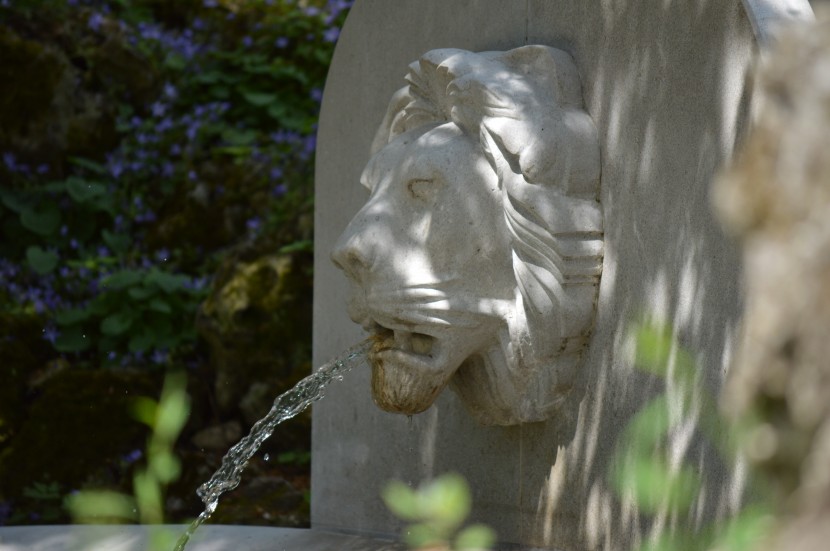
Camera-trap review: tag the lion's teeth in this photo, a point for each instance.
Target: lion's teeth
(403, 339)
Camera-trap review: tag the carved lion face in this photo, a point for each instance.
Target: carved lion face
(467, 267)
(430, 259)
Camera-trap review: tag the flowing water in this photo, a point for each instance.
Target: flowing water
(286, 405)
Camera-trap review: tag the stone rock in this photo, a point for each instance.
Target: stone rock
(776, 198)
(476, 260)
(257, 324)
(218, 437)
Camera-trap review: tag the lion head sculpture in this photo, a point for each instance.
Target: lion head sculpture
(476, 260)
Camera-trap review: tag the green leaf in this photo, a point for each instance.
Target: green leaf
(71, 316)
(141, 292)
(118, 242)
(13, 200)
(159, 305)
(92, 166)
(144, 409)
(745, 531)
(473, 537)
(141, 342)
(166, 281)
(653, 485)
(446, 500)
(117, 323)
(174, 408)
(83, 190)
(72, 339)
(402, 501)
(42, 221)
(239, 137)
(657, 352)
(92, 506)
(306, 245)
(422, 535)
(123, 278)
(41, 261)
(165, 466)
(175, 62)
(259, 99)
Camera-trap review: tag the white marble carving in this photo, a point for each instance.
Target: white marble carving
(477, 258)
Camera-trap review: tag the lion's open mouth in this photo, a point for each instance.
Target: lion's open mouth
(400, 339)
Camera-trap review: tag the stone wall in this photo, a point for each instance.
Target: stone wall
(665, 85)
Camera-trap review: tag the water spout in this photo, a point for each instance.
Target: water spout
(286, 405)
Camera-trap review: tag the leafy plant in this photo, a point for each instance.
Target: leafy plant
(166, 418)
(642, 469)
(437, 511)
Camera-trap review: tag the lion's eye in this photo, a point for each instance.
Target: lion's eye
(422, 189)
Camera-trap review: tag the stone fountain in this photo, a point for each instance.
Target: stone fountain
(535, 175)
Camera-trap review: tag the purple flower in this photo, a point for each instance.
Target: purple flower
(331, 34)
(10, 161)
(103, 251)
(275, 173)
(247, 41)
(133, 456)
(95, 21)
(279, 190)
(281, 42)
(162, 255)
(64, 271)
(311, 11)
(42, 168)
(116, 167)
(192, 175)
(192, 131)
(210, 3)
(316, 95)
(158, 109)
(158, 357)
(73, 243)
(175, 149)
(50, 333)
(254, 224)
(5, 512)
(64, 230)
(170, 90)
(167, 169)
(165, 125)
(111, 356)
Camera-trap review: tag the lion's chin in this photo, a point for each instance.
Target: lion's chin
(407, 374)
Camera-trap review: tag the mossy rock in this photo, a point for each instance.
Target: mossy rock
(77, 430)
(257, 322)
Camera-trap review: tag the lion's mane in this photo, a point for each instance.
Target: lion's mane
(525, 109)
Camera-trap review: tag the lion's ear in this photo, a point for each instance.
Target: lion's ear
(392, 120)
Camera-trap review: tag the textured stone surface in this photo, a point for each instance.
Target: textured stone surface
(476, 259)
(208, 538)
(777, 199)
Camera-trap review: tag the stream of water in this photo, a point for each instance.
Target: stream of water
(286, 405)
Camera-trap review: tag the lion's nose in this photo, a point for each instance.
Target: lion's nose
(352, 254)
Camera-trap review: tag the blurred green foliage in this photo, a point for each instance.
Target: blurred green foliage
(200, 137)
(144, 145)
(645, 472)
(436, 512)
(166, 418)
